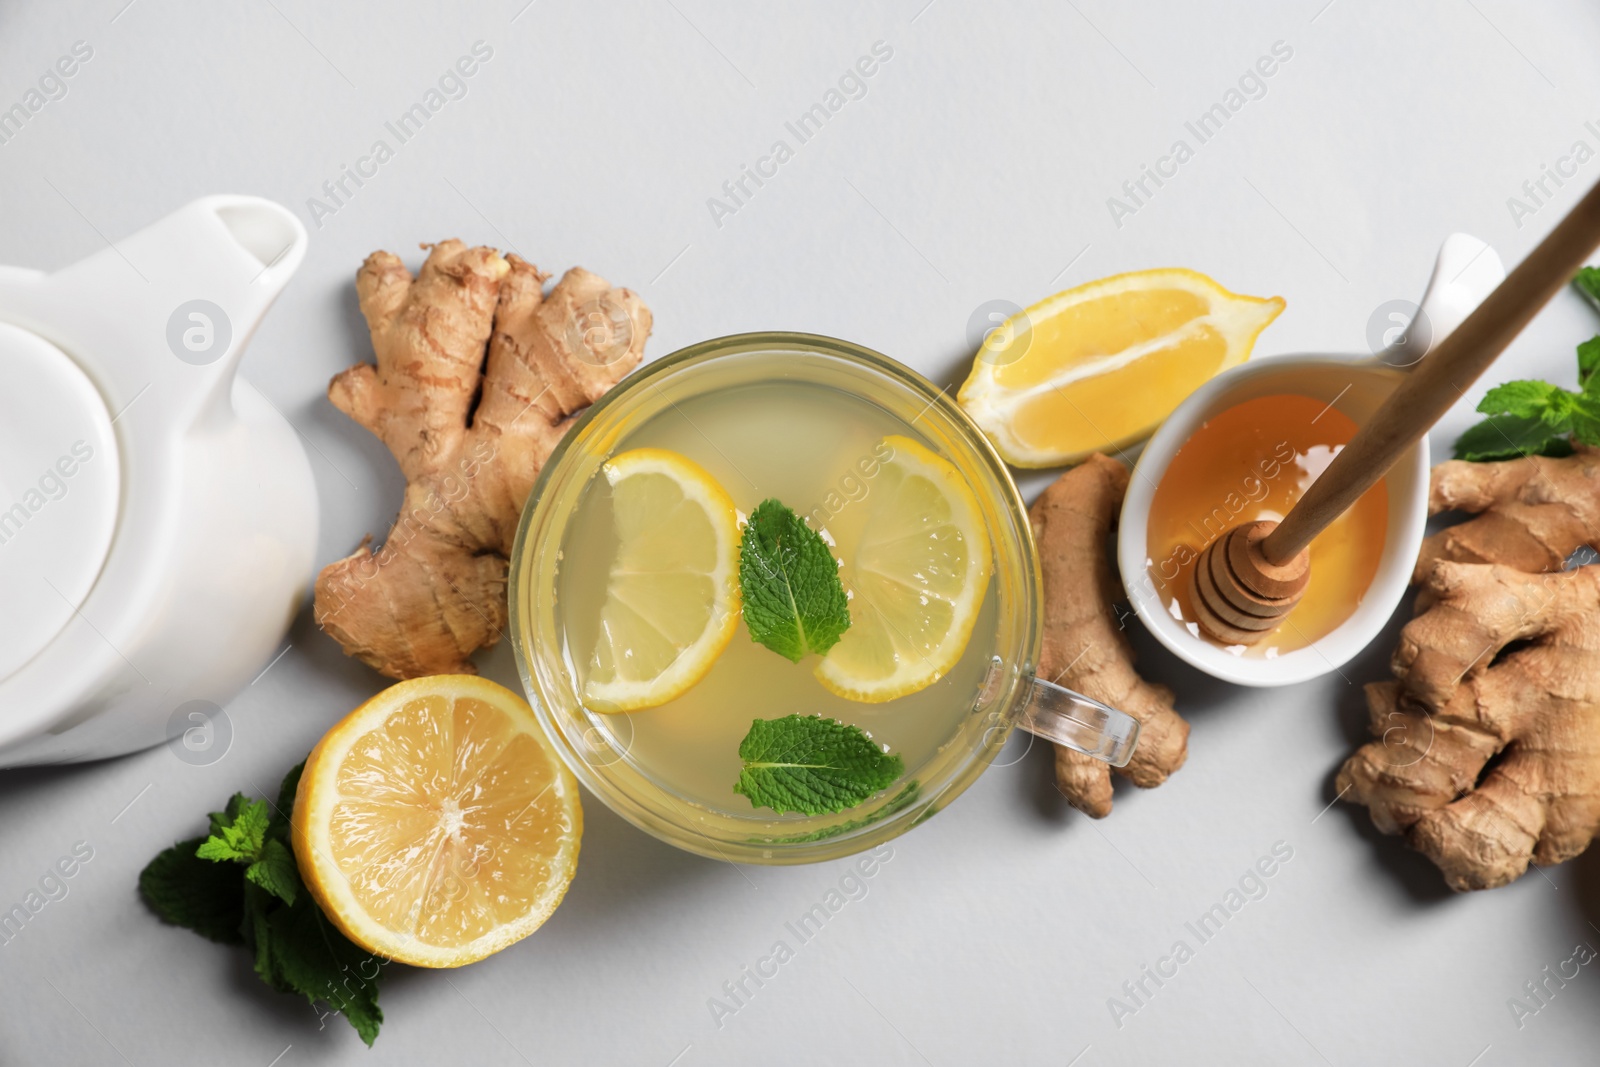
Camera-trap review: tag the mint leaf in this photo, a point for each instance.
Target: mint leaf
(1588, 363)
(296, 949)
(258, 908)
(812, 765)
(1582, 414)
(185, 890)
(237, 833)
(1587, 282)
(253, 896)
(1531, 418)
(226, 817)
(794, 602)
(1534, 418)
(1527, 399)
(276, 872)
(1510, 437)
(311, 957)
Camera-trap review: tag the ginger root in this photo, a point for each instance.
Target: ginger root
(478, 374)
(1084, 646)
(1489, 741)
(1531, 512)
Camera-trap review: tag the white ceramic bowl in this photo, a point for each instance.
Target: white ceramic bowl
(1466, 271)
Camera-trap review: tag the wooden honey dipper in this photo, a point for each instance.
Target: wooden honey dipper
(1248, 579)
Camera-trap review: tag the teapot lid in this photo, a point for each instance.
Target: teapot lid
(60, 486)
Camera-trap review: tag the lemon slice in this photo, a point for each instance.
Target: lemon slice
(435, 825)
(916, 579)
(672, 598)
(1100, 366)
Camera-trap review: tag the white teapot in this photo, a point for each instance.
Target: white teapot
(158, 517)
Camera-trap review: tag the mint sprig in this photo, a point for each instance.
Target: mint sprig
(812, 765)
(794, 602)
(1536, 418)
(240, 885)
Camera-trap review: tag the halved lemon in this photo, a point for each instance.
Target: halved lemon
(672, 598)
(435, 824)
(916, 579)
(1100, 366)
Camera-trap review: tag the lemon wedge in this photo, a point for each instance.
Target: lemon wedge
(672, 597)
(916, 579)
(435, 824)
(1100, 366)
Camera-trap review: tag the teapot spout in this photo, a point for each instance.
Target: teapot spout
(236, 252)
(268, 231)
(193, 285)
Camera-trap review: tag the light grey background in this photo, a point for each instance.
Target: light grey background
(977, 166)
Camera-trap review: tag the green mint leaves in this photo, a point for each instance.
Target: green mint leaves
(239, 833)
(208, 898)
(276, 872)
(240, 886)
(1508, 437)
(1534, 418)
(812, 765)
(1588, 363)
(794, 602)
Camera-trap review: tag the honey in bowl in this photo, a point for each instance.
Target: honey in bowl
(1253, 461)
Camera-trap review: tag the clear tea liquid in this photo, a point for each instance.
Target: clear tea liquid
(1253, 461)
(812, 446)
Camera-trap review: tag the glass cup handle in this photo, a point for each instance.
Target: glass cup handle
(1072, 719)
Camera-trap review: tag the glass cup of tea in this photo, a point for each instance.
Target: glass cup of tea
(804, 419)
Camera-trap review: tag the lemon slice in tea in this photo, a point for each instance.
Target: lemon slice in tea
(916, 579)
(672, 596)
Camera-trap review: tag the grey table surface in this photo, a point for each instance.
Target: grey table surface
(976, 163)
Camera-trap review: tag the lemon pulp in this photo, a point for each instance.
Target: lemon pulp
(672, 595)
(434, 824)
(1099, 366)
(916, 579)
